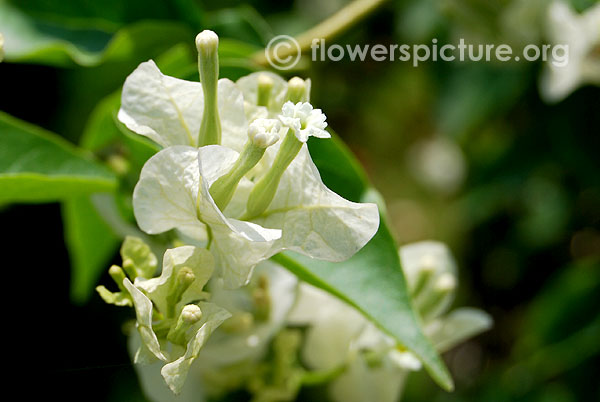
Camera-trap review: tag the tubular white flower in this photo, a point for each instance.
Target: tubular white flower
(197, 261)
(304, 121)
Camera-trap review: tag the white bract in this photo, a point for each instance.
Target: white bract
(173, 320)
(581, 34)
(169, 110)
(304, 216)
(234, 350)
(375, 365)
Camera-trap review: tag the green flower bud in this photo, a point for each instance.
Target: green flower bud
(440, 292)
(297, 90)
(185, 277)
(265, 86)
(424, 275)
(138, 259)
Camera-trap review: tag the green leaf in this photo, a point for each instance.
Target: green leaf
(372, 281)
(32, 40)
(338, 167)
(91, 245)
(243, 23)
(103, 131)
(39, 166)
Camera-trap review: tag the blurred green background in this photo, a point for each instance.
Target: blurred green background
(466, 153)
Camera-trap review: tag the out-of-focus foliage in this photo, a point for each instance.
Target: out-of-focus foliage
(466, 153)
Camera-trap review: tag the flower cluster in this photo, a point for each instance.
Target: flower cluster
(236, 183)
(340, 348)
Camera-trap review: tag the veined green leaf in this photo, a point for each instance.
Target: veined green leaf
(39, 166)
(32, 41)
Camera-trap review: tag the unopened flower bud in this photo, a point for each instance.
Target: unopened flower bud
(263, 93)
(117, 274)
(184, 278)
(427, 267)
(191, 314)
(438, 296)
(296, 90)
(445, 283)
(207, 43)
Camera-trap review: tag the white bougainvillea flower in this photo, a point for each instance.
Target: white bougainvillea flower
(169, 110)
(376, 366)
(199, 266)
(304, 215)
(173, 192)
(425, 264)
(258, 310)
(172, 321)
(581, 34)
(304, 121)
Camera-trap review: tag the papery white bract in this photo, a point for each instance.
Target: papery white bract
(169, 110)
(310, 218)
(173, 193)
(239, 345)
(154, 298)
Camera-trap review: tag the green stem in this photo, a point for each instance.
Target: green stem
(330, 28)
(264, 191)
